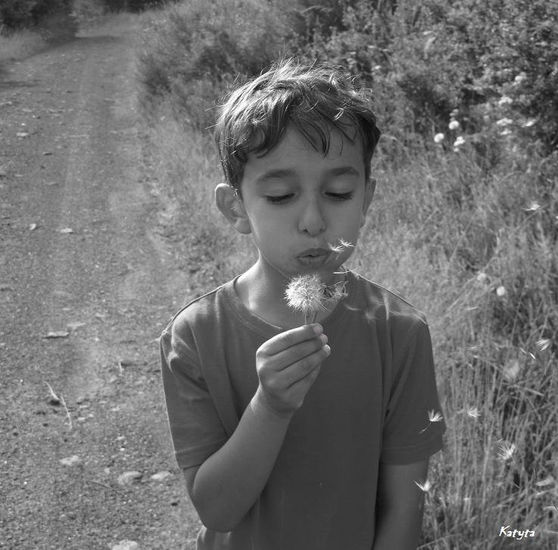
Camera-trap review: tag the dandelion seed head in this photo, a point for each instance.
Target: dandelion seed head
(304, 293)
(309, 295)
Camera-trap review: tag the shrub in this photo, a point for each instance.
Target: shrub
(18, 14)
(195, 50)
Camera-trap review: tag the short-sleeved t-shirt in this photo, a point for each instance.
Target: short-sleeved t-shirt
(369, 404)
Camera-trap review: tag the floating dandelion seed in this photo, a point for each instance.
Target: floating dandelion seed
(506, 450)
(543, 344)
(424, 487)
(341, 247)
(309, 295)
(473, 412)
(433, 416)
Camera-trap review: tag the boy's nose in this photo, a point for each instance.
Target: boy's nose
(312, 220)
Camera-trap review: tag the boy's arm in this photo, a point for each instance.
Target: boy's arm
(227, 484)
(399, 506)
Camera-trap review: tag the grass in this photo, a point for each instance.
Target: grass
(19, 45)
(449, 255)
(469, 236)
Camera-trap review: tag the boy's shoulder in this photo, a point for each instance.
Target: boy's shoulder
(202, 310)
(383, 304)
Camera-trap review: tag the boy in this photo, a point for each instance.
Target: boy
(297, 436)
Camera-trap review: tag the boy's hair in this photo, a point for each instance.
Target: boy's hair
(314, 99)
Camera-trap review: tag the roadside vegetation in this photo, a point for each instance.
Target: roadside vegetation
(464, 223)
(29, 26)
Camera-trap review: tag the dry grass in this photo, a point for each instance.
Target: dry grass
(472, 253)
(19, 45)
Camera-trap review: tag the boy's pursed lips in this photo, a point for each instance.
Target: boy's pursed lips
(314, 252)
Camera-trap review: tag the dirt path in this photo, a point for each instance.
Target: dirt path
(80, 261)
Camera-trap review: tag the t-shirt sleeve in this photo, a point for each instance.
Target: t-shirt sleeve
(196, 430)
(414, 423)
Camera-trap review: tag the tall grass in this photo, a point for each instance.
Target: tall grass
(468, 233)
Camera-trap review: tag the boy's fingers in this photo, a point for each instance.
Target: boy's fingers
(309, 367)
(289, 338)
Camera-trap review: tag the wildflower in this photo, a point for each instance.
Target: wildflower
(543, 344)
(506, 450)
(505, 132)
(424, 487)
(505, 100)
(454, 113)
(501, 291)
(511, 370)
(454, 125)
(504, 122)
(473, 412)
(438, 138)
(307, 294)
(533, 207)
(520, 78)
(529, 123)
(458, 142)
(482, 277)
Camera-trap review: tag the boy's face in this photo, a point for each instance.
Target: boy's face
(298, 201)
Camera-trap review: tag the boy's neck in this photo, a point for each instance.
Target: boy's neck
(262, 291)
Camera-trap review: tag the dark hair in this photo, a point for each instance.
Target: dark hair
(314, 99)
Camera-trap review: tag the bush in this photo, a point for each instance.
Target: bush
(19, 14)
(426, 60)
(194, 51)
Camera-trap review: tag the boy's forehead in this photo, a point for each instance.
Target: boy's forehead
(326, 139)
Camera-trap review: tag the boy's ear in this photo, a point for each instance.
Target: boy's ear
(368, 196)
(231, 206)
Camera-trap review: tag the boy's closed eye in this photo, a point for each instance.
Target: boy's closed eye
(278, 199)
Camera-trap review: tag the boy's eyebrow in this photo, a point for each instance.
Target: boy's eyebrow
(287, 173)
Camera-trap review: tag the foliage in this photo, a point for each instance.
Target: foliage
(17, 14)
(426, 60)
(196, 50)
(467, 198)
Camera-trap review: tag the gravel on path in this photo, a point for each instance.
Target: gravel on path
(85, 288)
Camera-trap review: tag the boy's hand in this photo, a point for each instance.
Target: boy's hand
(287, 366)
